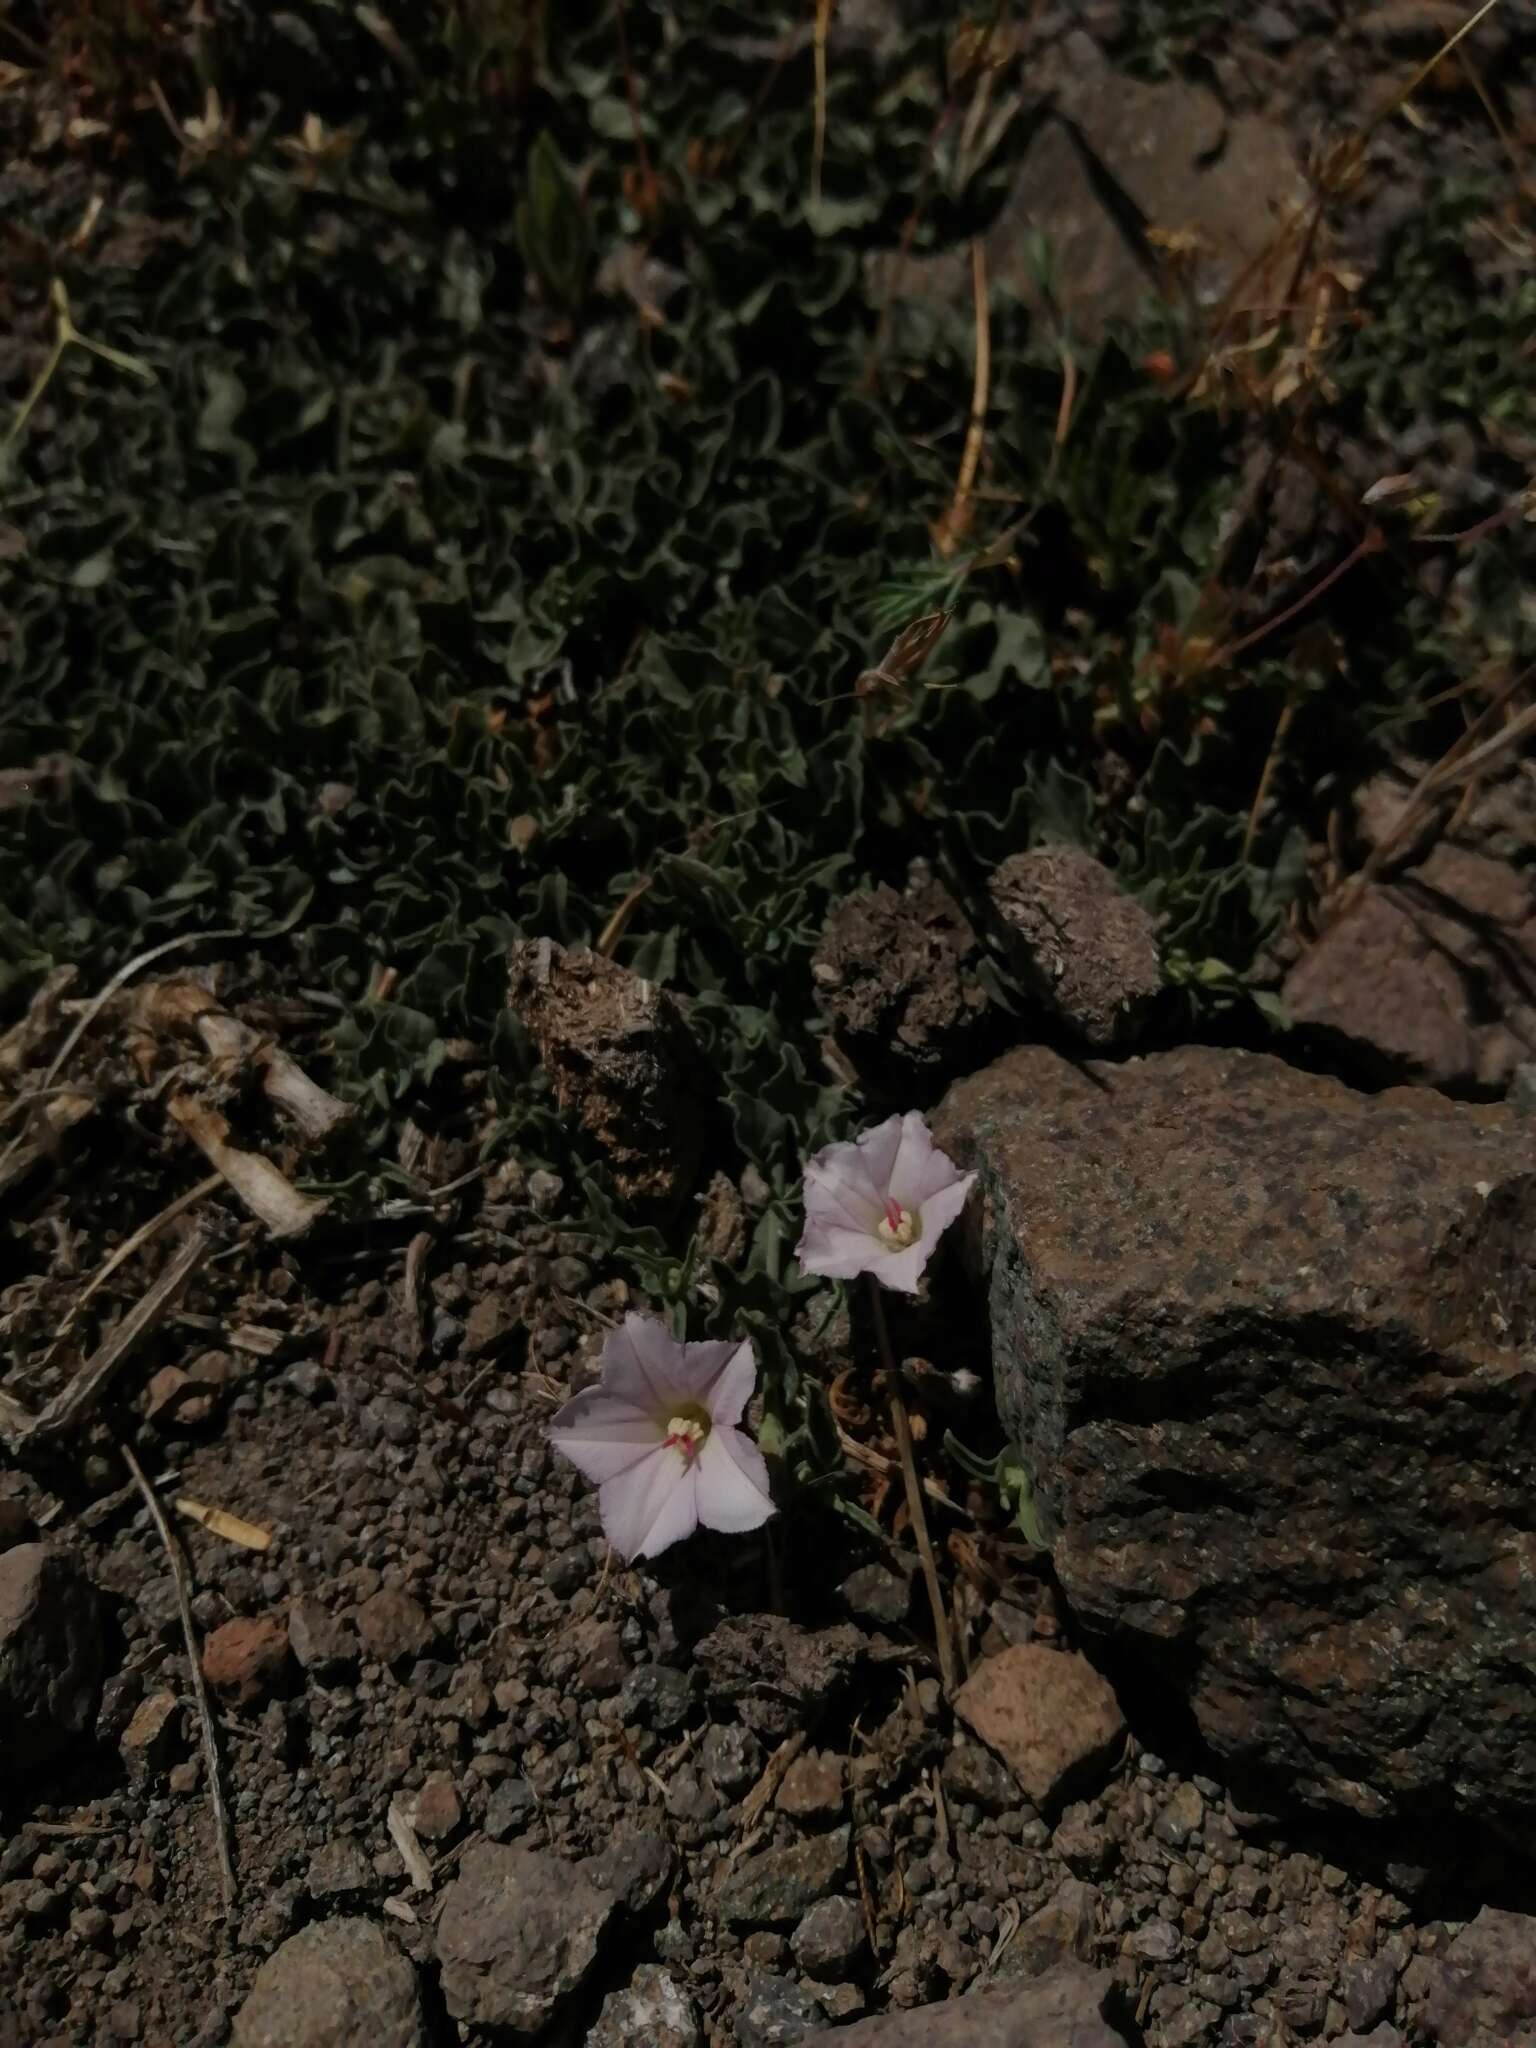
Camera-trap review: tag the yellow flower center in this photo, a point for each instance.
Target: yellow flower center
(686, 1432)
(899, 1227)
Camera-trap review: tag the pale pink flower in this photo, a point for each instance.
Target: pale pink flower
(658, 1436)
(881, 1204)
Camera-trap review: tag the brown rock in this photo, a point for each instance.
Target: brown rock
(1085, 950)
(897, 975)
(15, 1522)
(813, 1786)
(439, 1810)
(1484, 1991)
(622, 1059)
(246, 1661)
(173, 1400)
(153, 1738)
(1261, 1338)
(50, 1654)
(517, 1937)
(1431, 977)
(394, 1628)
(487, 1326)
(1062, 1931)
(1051, 1718)
(334, 1985)
(1064, 2009)
(324, 1644)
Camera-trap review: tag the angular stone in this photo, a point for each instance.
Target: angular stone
(653, 2009)
(1048, 1714)
(830, 1939)
(1085, 949)
(488, 1326)
(776, 2012)
(634, 1866)
(1063, 2009)
(518, 1935)
(1431, 977)
(777, 1887)
(50, 1654)
(246, 1661)
(153, 1739)
(1061, 1931)
(973, 1776)
(339, 1869)
(1261, 1338)
(439, 1810)
(394, 1628)
(324, 1644)
(1484, 1991)
(333, 1985)
(878, 1594)
(813, 1786)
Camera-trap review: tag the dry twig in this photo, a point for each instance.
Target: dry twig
(221, 1826)
(269, 1195)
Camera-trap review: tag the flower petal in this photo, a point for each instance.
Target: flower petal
(839, 1191)
(912, 1175)
(940, 1210)
(650, 1505)
(733, 1492)
(901, 1271)
(702, 1369)
(640, 1361)
(730, 1390)
(839, 1254)
(879, 1149)
(603, 1433)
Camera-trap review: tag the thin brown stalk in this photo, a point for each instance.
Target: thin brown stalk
(953, 525)
(824, 10)
(632, 92)
(1371, 544)
(173, 1551)
(1282, 727)
(901, 1429)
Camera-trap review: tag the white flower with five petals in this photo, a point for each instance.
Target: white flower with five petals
(658, 1435)
(880, 1204)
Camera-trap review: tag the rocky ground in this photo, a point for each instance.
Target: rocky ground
(1245, 1761)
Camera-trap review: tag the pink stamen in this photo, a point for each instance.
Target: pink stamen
(893, 1213)
(681, 1440)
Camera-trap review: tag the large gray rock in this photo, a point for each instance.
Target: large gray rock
(1485, 1989)
(1261, 1338)
(518, 1935)
(50, 1654)
(334, 1985)
(1063, 2009)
